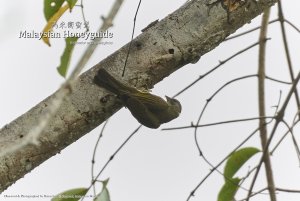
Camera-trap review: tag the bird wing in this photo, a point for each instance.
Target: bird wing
(152, 102)
(142, 113)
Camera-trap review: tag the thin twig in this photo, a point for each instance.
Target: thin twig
(293, 139)
(94, 155)
(206, 105)
(292, 25)
(113, 156)
(261, 94)
(249, 31)
(287, 190)
(209, 100)
(216, 67)
(243, 142)
(290, 130)
(217, 91)
(258, 27)
(287, 51)
(218, 123)
(276, 80)
(132, 35)
(283, 137)
(83, 16)
(255, 193)
(221, 162)
(277, 189)
(248, 174)
(278, 119)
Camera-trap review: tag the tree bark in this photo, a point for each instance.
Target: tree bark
(180, 38)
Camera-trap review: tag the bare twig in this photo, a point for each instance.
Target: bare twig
(220, 163)
(287, 190)
(257, 28)
(216, 67)
(254, 194)
(249, 31)
(83, 16)
(278, 119)
(261, 94)
(209, 100)
(94, 155)
(277, 189)
(218, 123)
(130, 43)
(290, 129)
(242, 143)
(292, 25)
(287, 51)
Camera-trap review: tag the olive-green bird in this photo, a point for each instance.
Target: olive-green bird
(150, 110)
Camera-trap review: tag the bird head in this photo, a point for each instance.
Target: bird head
(175, 103)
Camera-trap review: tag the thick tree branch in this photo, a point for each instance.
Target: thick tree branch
(180, 38)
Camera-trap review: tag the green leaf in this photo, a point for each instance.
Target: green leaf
(104, 194)
(66, 56)
(71, 195)
(53, 10)
(229, 190)
(71, 3)
(53, 20)
(51, 7)
(237, 160)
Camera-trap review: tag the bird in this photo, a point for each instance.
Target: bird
(148, 109)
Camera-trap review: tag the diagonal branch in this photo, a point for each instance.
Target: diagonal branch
(287, 51)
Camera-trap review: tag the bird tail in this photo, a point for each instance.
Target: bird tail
(105, 80)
